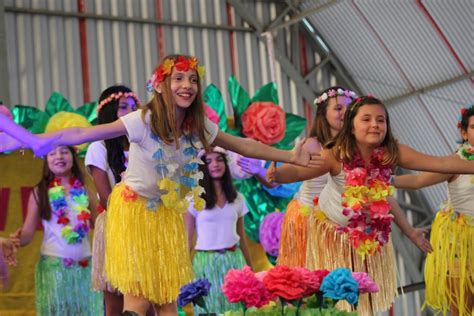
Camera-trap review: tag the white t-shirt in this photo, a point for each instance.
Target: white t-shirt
(97, 156)
(144, 168)
(216, 228)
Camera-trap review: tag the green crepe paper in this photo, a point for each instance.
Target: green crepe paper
(57, 103)
(31, 118)
(294, 127)
(266, 93)
(239, 98)
(88, 110)
(213, 98)
(259, 203)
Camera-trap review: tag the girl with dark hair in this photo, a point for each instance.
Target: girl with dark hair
(353, 213)
(146, 256)
(219, 230)
(330, 108)
(106, 161)
(449, 270)
(61, 202)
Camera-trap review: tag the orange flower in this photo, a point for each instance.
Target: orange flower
(129, 195)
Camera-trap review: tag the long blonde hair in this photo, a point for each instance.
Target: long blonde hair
(163, 118)
(344, 145)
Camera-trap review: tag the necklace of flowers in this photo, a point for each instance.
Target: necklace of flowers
(364, 202)
(466, 151)
(62, 210)
(171, 183)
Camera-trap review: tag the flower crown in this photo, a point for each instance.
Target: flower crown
(461, 114)
(166, 67)
(116, 96)
(333, 93)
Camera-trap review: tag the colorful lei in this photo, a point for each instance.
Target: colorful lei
(365, 202)
(62, 210)
(166, 68)
(333, 93)
(466, 151)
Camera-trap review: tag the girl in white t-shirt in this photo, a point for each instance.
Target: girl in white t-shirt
(219, 230)
(60, 202)
(106, 161)
(146, 255)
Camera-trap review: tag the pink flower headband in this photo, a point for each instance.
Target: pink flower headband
(334, 93)
(166, 68)
(116, 96)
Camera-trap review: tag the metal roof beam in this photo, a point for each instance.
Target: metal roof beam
(432, 87)
(285, 63)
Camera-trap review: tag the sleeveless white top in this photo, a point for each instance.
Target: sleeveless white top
(311, 188)
(461, 194)
(330, 199)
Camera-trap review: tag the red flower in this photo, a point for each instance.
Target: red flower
(285, 282)
(181, 64)
(83, 216)
(265, 122)
(316, 200)
(321, 274)
(84, 263)
(311, 281)
(63, 220)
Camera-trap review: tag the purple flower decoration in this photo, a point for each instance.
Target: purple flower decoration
(193, 293)
(366, 284)
(68, 262)
(270, 232)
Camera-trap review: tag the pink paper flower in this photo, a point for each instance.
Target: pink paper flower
(366, 284)
(243, 286)
(356, 176)
(5, 111)
(311, 281)
(211, 114)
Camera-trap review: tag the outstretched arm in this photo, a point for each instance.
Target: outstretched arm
(416, 235)
(24, 235)
(251, 148)
(414, 160)
(420, 180)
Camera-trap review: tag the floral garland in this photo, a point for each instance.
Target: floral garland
(466, 151)
(333, 93)
(60, 208)
(116, 96)
(365, 203)
(166, 67)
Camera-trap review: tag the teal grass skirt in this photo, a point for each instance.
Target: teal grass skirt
(213, 265)
(62, 290)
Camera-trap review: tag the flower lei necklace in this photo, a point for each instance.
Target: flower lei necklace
(466, 151)
(365, 203)
(60, 208)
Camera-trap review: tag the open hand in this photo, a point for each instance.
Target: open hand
(250, 165)
(9, 250)
(418, 238)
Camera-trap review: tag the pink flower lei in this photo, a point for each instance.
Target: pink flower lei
(364, 202)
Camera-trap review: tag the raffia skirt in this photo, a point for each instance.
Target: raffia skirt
(449, 269)
(294, 230)
(214, 265)
(329, 249)
(146, 251)
(65, 289)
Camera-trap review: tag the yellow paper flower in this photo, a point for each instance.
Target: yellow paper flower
(201, 71)
(193, 62)
(170, 199)
(305, 210)
(167, 184)
(199, 204)
(355, 195)
(380, 191)
(366, 247)
(167, 66)
(320, 215)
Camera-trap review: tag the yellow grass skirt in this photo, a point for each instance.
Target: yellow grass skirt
(329, 249)
(292, 250)
(449, 269)
(146, 251)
